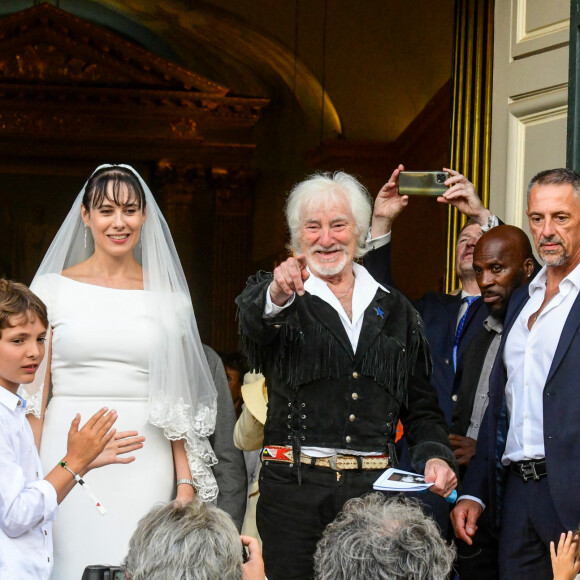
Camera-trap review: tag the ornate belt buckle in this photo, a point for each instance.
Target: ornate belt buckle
(529, 471)
(332, 463)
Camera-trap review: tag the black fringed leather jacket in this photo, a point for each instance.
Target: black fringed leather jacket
(321, 394)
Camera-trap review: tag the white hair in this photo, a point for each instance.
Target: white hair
(320, 190)
(198, 541)
(383, 538)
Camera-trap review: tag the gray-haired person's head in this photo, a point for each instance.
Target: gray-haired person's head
(558, 176)
(383, 538)
(198, 541)
(321, 190)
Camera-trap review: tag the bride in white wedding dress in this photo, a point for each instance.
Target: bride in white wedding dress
(123, 335)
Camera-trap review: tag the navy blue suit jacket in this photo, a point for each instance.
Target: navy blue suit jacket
(561, 412)
(439, 312)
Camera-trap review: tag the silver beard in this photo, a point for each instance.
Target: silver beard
(555, 261)
(328, 269)
(552, 260)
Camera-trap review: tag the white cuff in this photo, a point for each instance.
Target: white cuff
(270, 309)
(471, 497)
(492, 222)
(50, 506)
(375, 243)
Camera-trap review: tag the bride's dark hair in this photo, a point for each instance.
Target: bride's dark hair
(96, 190)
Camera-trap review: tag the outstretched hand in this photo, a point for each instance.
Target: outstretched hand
(565, 566)
(116, 449)
(462, 195)
(388, 205)
(289, 278)
(84, 445)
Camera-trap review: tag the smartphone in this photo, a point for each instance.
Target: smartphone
(423, 183)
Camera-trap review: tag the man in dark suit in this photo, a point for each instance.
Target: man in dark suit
(502, 261)
(343, 359)
(526, 464)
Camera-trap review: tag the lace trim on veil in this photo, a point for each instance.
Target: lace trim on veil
(33, 401)
(173, 417)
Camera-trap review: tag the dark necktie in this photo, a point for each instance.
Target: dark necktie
(470, 300)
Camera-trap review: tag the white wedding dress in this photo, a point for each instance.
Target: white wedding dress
(100, 356)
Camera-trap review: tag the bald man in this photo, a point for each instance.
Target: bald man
(502, 261)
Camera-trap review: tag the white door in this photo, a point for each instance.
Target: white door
(530, 97)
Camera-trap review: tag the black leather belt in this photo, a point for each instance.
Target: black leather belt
(529, 469)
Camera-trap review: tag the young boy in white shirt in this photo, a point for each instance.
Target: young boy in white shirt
(29, 503)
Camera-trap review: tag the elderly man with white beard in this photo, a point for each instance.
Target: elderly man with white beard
(344, 358)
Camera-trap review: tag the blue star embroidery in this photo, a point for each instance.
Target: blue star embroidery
(379, 312)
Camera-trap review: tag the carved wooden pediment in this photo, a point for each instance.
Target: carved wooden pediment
(66, 80)
(47, 45)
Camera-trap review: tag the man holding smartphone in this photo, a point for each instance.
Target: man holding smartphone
(442, 313)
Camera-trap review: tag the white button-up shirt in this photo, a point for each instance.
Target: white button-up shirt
(528, 356)
(28, 503)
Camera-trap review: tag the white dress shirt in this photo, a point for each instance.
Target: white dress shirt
(365, 288)
(528, 356)
(28, 503)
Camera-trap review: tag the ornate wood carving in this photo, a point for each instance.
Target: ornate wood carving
(47, 44)
(65, 79)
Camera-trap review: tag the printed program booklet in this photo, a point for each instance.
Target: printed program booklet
(398, 480)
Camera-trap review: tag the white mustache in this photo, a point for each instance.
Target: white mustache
(335, 248)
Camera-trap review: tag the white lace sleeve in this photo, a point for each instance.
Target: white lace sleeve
(174, 414)
(174, 418)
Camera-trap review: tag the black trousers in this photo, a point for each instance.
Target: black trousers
(292, 517)
(480, 560)
(529, 523)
